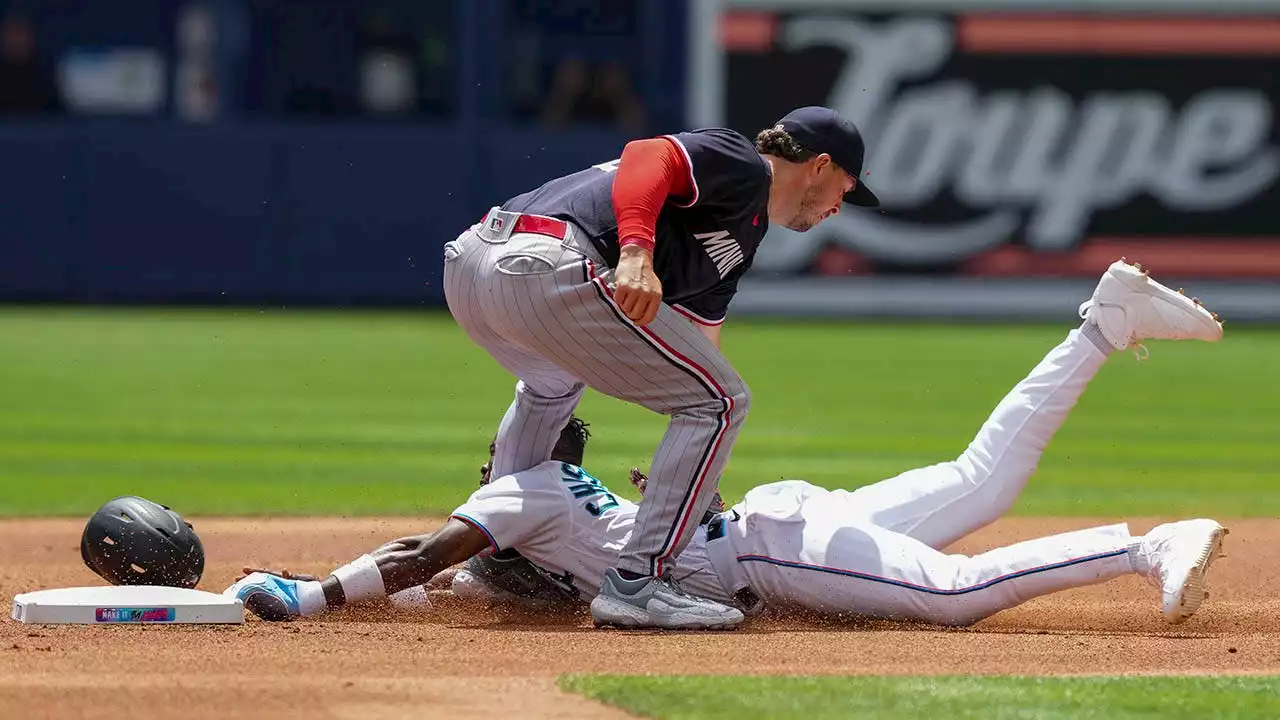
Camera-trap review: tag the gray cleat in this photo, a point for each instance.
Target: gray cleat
(657, 603)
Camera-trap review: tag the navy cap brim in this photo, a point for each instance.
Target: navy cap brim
(862, 197)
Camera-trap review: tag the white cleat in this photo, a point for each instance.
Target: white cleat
(1129, 307)
(1177, 558)
(659, 603)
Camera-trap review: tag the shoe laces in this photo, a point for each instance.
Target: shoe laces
(669, 578)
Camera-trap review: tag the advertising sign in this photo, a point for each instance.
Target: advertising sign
(1019, 140)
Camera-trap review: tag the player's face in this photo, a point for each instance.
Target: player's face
(823, 197)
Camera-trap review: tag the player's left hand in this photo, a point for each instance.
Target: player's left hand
(637, 289)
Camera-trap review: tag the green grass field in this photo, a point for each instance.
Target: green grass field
(271, 412)
(930, 698)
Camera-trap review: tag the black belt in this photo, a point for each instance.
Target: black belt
(746, 598)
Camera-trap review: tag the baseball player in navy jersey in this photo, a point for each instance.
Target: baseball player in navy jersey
(873, 552)
(618, 277)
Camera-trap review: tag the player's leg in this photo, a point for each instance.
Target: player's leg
(544, 400)
(532, 423)
(942, 503)
(945, 502)
(677, 372)
(551, 298)
(674, 370)
(864, 570)
(554, 299)
(545, 395)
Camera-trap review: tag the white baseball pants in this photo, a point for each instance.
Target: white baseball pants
(877, 551)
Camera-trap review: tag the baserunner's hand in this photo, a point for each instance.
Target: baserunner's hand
(637, 288)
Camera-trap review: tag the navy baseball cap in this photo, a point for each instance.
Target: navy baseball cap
(822, 130)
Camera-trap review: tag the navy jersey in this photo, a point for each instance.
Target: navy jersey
(704, 246)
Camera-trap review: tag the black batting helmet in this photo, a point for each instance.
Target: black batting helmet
(133, 541)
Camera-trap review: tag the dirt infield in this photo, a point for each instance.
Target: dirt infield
(464, 662)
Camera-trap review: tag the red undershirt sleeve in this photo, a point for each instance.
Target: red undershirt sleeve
(649, 172)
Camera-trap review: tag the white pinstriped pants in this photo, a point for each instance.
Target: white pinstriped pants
(543, 308)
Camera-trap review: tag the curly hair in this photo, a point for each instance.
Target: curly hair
(572, 445)
(779, 143)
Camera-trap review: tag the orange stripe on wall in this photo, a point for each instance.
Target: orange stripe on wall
(1118, 35)
(1182, 257)
(748, 31)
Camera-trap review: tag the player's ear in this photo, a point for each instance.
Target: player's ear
(821, 162)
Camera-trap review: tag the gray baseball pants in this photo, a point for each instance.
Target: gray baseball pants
(543, 307)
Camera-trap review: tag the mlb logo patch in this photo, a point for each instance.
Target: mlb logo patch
(495, 223)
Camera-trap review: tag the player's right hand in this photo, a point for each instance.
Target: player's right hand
(637, 289)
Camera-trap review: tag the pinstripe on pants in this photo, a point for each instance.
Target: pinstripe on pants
(544, 310)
